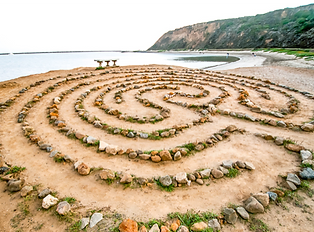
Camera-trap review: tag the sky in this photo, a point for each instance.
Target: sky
(81, 25)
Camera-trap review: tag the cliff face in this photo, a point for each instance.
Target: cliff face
(290, 27)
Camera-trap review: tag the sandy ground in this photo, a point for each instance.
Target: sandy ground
(143, 204)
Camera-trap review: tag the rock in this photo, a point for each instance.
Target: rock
(144, 156)
(231, 128)
(294, 147)
(200, 226)
(49, 201)
(132, 155)
(175, 225)
(84, 223)
(77, 164)
(44, 193)
(142, 181)
(279, 141)
(263, 198)
(102, 146)
(165, 180)
(15, 185)
(165, 134)
(53, 154)
(199, 147)
(95, 218)
(26, 190)
(128, 225)
(249, 166)
(253, 206)
(177, 156)
(225, 171)
(240, 164)
(291, 185)
(306, 155)
(79, 135)
(83, 169)
(199, 181)
(155, 228)
(183, 229)
(227, 164)
(308, 127)
(4, 169)
(272, 195)
(112, 149)
(126, 178)
(205, 173)
(191, 177)
(165, 155)
(307, 174)
(181, 178)
(243, 213)
(278, 192)
(281, 124)
(91, 140)
(217, 174)
(164, 229)
(214, 224)
(63, 207)
(230, 215)
(130, 135)
(107, 174)
(293, 178)
(143, 229)
(156, 158)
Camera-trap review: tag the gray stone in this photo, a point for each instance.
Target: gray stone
(243, 213)
(281, 124)
(144, 156)
(227, 164)
(240, 164)
(253, 206)
(181, 178)
(291, 185)
(307, 174)
(165, 180)
(155, 228)
(199, 147)
(91, 140)
(15, 185)
(249, 117)
(143, 135)
(249, 166)
(177, 156)
(263, 198)
(214, 224)
(84, 223)
(4, 169)
(191, 177)
(308, 127)
(279, 141)
(53, 153)
(217, 173)
(306, 155)
(26, 190)
(225, 171)
(63, 207)
(95, 218)
(130, 135)
(230, 215)
(205, 173)
(132, 155)
(293, 178)
(44, 193)
(183, 229)
(272, 195)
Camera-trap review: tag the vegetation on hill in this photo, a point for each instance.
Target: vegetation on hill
(290, 27)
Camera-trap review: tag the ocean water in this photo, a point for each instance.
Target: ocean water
(14, 66)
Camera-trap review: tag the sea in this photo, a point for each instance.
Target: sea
(16, 65)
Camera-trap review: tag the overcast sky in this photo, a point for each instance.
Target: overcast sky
(63, 25)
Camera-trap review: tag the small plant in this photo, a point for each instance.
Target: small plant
(15, 169)
(70, 200)
(169, 188)
(75, 227)
(233, 173)
(58, 159)
(189, 146)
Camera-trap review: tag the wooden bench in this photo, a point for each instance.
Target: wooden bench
(107, 61)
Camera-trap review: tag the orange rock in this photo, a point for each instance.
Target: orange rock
(174, 226)
(128, 225)
(83, 169)
(143, 229)
(164, 229)
(156, 158)
(61, 124)
(54, 114)
(97, 103)
(154, 153)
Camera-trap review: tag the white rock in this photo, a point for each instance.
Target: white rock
(76, 164)
(102, 146)
(181, 178)
(49, 201)
(96, 217)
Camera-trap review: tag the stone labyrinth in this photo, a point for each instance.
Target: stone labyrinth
(120, 137)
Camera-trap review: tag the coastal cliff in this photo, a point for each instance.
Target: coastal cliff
(287, 28)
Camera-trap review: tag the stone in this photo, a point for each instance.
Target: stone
(199, 147)
(199, 181)
(165, 180)
(112, 149)
(278, 192)
(200, 226)
(91, 140)
(26, 190)
(191, 177)
(102, 146)
(268, 137)
(83, 169)
(308, 127)
(130, 135)
(165, 155)
(79, 135)
(175, 225)
(155, 228)
(243, 213)
(4, 169)
(15, 185)
(293, 178)
(142, 181)
(279, 141)
(230, 215)
(132, 155)
(214, 224)
(84, 223)
(143, 229)
(177, 156)
(217, 174)
(44, 193)
(205, 173)
(294, 147)
(253, 206)
(291, 185)
(53, 154)
(156, 158)
(281, 124)
(307, 174)
(95, 218)
(249, 166)
(144, 156)
(164, 229)
(183, 229)
(165, 134)
(49, 201)
(306, 155)
(126, 178)
(225, 171)
(240, 164)
(231, 128)
(273, 196)
(63, 207)
(181, 178)
(227, 164)
(263, 198)
(128, 225)
(107, 174)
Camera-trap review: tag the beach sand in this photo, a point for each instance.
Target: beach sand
(142, 204)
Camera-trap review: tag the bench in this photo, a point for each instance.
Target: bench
(107, 61)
